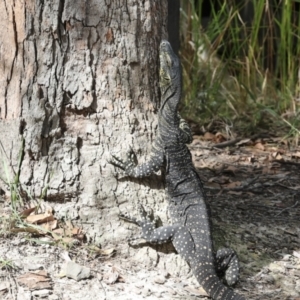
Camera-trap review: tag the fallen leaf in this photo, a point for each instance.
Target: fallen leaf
(259, 146)
(196, 292)
(297, 154)
(208, 136)
(25, 213)
(68, 235)
(59, 231)
(28, 229)
(277, 156)
(40, 218)
(68, 240)
(69, 225)
(220, 138)
(50, 225)
(35, 280)
(250, 159)
(103, 252)
(76, 231)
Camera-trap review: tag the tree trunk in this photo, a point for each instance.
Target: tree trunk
(79, 80)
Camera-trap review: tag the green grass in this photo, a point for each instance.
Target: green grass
(6, 264)
(11, 178)
(256, 83)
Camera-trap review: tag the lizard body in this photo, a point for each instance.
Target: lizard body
(190, 231)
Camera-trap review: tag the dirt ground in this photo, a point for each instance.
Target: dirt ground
(252, 187)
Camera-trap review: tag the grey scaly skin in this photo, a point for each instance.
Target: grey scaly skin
(190, 231)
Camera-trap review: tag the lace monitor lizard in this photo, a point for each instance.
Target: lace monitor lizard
(190, 231)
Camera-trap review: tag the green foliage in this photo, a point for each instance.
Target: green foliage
(241, 71)
(6, 264)
(11, 178)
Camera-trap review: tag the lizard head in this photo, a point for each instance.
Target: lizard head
(170, 71)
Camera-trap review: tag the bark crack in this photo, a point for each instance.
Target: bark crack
(14, 60)
(6, 7)
(60, 23)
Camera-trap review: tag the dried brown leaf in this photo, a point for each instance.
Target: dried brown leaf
(27, 229)
(107, 252)
(25, 213)
(250, 159)
(76, 231)
(58, 231)
(196, 292)
(208, 136)
(69, 225)
(50, 225)
(40, 218)
(259, 146)
(35, 280)
(220, 138)
(277, 156)
(67, 240)
(296, 154)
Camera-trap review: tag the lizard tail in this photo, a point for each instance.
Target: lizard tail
(214, 287)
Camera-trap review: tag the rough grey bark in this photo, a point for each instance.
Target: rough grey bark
(78, 80)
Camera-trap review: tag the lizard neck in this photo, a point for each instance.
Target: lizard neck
(170, 98)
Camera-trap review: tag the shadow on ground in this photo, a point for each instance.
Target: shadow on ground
(254, 198)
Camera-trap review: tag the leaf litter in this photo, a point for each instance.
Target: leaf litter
(252, 187)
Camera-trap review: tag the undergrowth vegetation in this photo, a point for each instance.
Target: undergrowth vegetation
(242, 68)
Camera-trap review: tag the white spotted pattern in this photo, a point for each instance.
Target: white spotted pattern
(190, 231)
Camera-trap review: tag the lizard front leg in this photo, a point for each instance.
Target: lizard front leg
(129, 165)
(177, 234)
(150, 233)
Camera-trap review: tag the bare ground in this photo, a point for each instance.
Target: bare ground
(253, 190)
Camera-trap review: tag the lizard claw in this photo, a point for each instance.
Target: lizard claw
(147, 217)
(127, 217)
(126, 165)
(117, 162)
